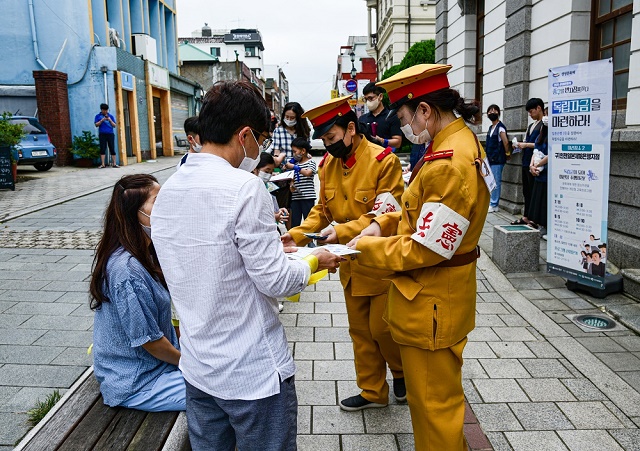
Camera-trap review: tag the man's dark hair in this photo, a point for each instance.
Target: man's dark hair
(265, 159)
(372, 88)
(493, 106)
(534, 103)
(227, 107)
(602, 246)
(301, 143)
(191, 126)
(596, 252)
(104, 106)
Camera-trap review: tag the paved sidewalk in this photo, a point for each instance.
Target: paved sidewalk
(533, 379)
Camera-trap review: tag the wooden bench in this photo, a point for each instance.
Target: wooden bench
(81, 421)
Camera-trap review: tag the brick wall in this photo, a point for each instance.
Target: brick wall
(52, 98)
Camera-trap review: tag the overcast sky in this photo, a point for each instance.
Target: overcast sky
(306, 34)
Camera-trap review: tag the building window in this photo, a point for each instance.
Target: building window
(479, 49)
(249, 51)
(215, 51)
(611, 38)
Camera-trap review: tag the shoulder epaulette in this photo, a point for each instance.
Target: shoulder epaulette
(323, 158)
(438, 155)
(384, 153)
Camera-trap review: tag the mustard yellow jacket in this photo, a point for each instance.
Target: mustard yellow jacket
(349, 192)
(432, 307)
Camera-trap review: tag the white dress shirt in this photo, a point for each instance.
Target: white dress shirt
(214, 233)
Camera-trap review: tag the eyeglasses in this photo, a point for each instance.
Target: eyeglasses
(370, 98)
(267, 140)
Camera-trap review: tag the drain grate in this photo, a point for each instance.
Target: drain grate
(594, 322)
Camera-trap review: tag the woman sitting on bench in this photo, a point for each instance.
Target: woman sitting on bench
(135, 346)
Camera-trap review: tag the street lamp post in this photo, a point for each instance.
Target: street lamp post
(352, 55)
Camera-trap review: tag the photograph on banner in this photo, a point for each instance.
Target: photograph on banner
(580, 99)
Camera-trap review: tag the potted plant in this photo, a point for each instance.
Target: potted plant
(10, 136)
(85, 147)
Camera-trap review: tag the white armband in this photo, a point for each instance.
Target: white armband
(440, 229)
(385, 203)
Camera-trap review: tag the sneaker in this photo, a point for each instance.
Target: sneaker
(400, 389)
(494, 209)
(280, 307)
(358, 403)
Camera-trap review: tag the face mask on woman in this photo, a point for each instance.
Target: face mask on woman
(422, 138)
(493, 116)
(339, 149)
(290, 123)
(264, 176)
(146, 228)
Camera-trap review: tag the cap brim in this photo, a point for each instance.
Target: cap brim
(324, 128)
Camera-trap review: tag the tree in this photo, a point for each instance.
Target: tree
(422, 52)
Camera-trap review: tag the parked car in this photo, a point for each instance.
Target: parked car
(317, 146)
(35, 148)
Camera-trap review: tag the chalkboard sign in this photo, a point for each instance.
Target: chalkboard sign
(6, 175)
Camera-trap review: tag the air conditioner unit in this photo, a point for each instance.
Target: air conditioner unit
(145, 46)
(247, 54)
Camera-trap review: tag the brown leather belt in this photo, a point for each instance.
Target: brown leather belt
(460, 259)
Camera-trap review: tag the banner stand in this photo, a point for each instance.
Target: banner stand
(613, 283)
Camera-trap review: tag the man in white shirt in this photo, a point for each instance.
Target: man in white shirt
(224, 276)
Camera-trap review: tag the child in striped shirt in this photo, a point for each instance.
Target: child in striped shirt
(302, 185)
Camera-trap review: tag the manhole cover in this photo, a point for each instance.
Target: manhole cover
(593, 322)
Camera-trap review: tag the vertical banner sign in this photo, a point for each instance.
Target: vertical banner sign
(579, 156)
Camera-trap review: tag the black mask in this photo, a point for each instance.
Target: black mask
(339, 149)
(493, 116)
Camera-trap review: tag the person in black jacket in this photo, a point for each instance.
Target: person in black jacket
(498, 152)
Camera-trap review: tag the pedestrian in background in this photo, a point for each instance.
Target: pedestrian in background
(193, 138)
(224, 277)
(358, 181)
(135, 347)
(538, 169)
(498, 152)
(106, 136)
(379, 127)
(292, 125)
(431, 249)
(303, 184)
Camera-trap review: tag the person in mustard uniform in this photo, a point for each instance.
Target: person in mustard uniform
(359, 181)
(431, 249)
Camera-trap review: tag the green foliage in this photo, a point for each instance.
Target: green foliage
(85, 145)
(43, 407)
(423, 52)
(391, 71)
(10, 133)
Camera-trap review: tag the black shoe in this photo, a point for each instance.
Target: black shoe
(358, 403)
(400, 389)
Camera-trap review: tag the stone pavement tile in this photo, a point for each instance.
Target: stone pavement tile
(40, 375)
(313, 351)
(545, 390)
(499, 441)
(525, 284)
(298, 307)
(477, 350)
(491, 297)
(26, 398)
(288, 319)
(511, 349)
(5, 305)
(583, 389)
(545, 368)
(470, 391)
(74, 356)
(75, 259)
(589, 440)
(6, 393)
(299, 333)
(340, 370)
(339, 320)
(28, 354)
(337, 296)
(630, 342)
(471, 369)
(18, 285)
(75, 338)
(73, 297)
(344, 351)
(589, 415)
(625, 420)
(329, 285)
(16, 275)
(314, 319)
(549, 304)
(19, 336)
(552, 282)
(369, 442)
(83, 267)
(536, 294)
(535, 441)
(540, 416)
(491, 307)
(11, 321)
(513, 320)
(86, 252)
(389, 420)
(514, 334)
(82, 287)
(332, 420)
(318, 442)
(332, 334)
(57, 323)
(68, 276)
(619, 361)
(575, 332)
(330, 307)
(304, 370)
(406, 442)
(37, 257)
(483, 286)
(482, 334)
(488, 321)
(499, 390)
(316, 393)
(562, 293)
(577, 304)
(42, 308)
(628, 438)
(632, 378)
(82, 310)
(348, 388)
(636, 420)
(14, 426)
(49, 267)
(26, 295)
(503, 368)
(496, 417)
(600, 344)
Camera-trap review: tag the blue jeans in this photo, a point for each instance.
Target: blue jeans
(497, 174)
(268, 424)
(167, 393)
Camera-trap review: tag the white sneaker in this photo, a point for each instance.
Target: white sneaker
(280, 306)
(494, 209)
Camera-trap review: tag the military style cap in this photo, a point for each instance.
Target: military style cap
(324, 116)
(414, 82)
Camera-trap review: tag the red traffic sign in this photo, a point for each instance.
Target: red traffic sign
(351, 86)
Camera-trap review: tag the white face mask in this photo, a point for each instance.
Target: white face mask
(249, 164)
(146, 228)
(264, 176)
(289, 123)
(545, 121)
(422, 138)
(373, 104)
(197, 147)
